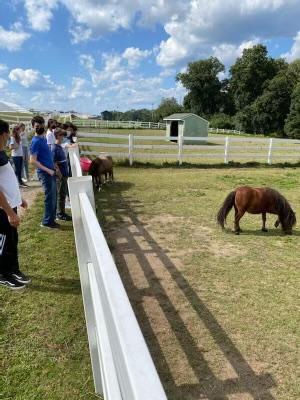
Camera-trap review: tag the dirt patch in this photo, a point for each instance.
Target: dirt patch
(29, 194)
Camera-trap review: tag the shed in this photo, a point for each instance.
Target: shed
(186, 124)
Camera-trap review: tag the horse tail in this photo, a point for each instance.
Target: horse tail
(225, 209)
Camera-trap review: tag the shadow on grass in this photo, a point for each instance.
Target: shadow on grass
(126, 224)
(186, 165)
(271, 233)
(56, 285)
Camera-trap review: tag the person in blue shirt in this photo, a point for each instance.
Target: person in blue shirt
(41, 158)
(61, 164)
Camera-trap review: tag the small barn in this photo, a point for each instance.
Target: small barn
(186, 124)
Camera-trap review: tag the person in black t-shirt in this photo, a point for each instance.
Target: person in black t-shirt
(10, 199)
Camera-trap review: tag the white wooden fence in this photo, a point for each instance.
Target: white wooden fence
(225, 149)
(103, 124)
(121, 363)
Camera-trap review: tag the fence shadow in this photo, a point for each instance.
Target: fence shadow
(120, 218)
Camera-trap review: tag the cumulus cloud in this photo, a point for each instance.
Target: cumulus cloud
(295, 50)
(134, 55)
(227, 53)
(79, 89)
(3, 68)
(211, 24)
(39, 13)
(12, 39)
(3, 83)
(80, 34)
(33, 79)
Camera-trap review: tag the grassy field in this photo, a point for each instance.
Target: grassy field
(43, 342)
(219, 312)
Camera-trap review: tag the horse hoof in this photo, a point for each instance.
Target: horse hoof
(264, 229)
(237, 232)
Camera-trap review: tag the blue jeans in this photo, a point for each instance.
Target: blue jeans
(49, 186)
(18, 161)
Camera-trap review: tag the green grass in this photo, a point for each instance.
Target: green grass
(220, 312)
(43, 341)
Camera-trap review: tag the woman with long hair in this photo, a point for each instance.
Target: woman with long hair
(15, 145)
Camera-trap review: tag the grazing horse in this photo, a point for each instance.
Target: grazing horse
(257, 201)
(101, 165)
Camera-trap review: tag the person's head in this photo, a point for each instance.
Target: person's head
(59, 135)
(22, 127)
(16, 133)
(4, 133)
(52, 124)
(71, 131)
(38, 124)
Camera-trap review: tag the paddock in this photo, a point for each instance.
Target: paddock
(219, 312)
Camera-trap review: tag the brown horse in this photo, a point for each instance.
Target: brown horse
(101, 165)
(257, 201)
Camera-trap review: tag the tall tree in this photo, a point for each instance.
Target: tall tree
(167, 106)
(203, 85)
(249, 74)
(292, 123)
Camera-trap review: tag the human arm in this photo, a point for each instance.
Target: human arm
(37, 164)
(13, 218)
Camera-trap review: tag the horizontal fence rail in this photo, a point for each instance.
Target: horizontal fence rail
(121, 363)
(96, 123)
(243, 149)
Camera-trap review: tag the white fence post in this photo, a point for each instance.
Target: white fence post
(270, 151)
(130, 148)
(226, 151)
(180, 148)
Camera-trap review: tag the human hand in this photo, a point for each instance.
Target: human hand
(24, 204)
(13, 219)
(51, 172)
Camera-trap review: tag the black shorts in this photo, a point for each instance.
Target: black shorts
(8, 245)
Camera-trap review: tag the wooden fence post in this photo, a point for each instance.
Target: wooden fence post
(226, 150)
(270, 151)
(130, 148)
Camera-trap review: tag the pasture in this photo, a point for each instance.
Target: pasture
(220, 312)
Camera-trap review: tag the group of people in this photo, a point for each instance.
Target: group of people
(48, 154)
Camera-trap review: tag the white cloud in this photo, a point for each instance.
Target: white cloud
(3, 68)
(134, 56)
(39, 13)
(227, 53)
(295, 50)
(80, 34)
(34, 80)
(12, 40)
(3, 83)
(26, 77)
(210, 24)
(79, 88)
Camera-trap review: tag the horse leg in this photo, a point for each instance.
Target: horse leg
(238, 215)
(264, 218)
(277, 222)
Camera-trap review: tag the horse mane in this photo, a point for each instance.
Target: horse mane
(286, 214)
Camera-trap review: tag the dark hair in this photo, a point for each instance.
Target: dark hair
(16, 134)
(37, 119)
(4, 127)
(52, 123)
(59, 132)
(21, 125)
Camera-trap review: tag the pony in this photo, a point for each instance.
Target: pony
(101, 165)
(257, 201)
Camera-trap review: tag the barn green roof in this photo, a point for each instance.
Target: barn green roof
(182, 116)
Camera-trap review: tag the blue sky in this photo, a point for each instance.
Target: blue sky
(92, 55)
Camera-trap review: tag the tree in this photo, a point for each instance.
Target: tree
(250, 73)
(203, 85)
(268, 112)
(167, 106)
(106, 115)
(292, 123)
(222, 121)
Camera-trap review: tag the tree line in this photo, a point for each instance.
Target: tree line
(260, 95)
